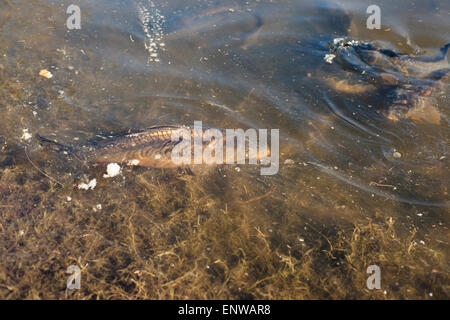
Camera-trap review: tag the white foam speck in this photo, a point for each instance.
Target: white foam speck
(86, 186)
(134, 162)
(338, 40)
(289, 161)
(329, 57)
(26, 135)
(112, 170)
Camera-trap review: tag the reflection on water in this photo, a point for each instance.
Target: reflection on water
(354, 187)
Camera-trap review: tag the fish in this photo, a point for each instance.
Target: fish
(412, 84)
(154, 147)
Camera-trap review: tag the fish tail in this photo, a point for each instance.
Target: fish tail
(59, 147)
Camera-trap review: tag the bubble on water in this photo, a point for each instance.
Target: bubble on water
(152, 22)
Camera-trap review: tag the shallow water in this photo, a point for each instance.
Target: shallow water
(340, 202)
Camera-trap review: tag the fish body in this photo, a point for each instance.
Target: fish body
(154, 147)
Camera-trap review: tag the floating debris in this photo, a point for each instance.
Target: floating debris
(86, 186)
(289, 161)
(26, 135)
(397, 155)
(338, 41)
(112, 170)
(134, 162)
(329, 58)
(341, 42)
(46, 74)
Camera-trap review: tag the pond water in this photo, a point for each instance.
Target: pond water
(354, 188)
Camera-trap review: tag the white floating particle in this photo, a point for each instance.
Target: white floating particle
(86, 186)
(158, 156)
(133, 162)
(26, 135)
(338, 41)
(289, 161)
(397, 155)
(112, 170)
(45, 73)
(329, 58)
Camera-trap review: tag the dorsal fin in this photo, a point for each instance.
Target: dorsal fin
(171, 126)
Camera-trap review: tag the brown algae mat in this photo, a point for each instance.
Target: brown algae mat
(154, 234)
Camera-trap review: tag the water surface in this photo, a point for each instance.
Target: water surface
(340, 202)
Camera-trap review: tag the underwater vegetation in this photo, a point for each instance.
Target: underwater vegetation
(170, 236)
